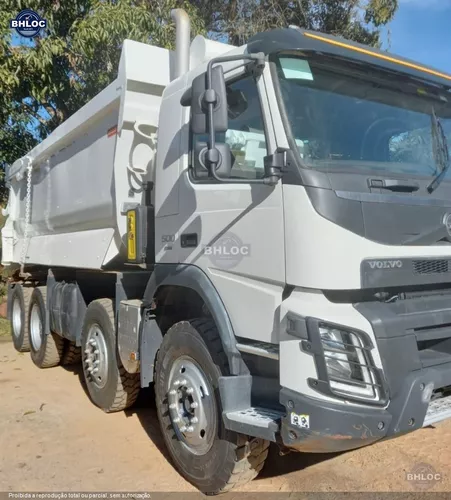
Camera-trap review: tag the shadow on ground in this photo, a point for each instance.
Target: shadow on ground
(277, 465)
(145, 411)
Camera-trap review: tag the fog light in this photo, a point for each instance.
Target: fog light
(347, 364)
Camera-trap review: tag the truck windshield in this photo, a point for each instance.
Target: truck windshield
(347, 116)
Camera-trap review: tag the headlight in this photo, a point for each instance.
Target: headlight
(347, 363)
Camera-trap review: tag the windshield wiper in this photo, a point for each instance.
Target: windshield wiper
(440, 151)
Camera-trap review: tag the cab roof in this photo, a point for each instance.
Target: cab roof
(293, 38)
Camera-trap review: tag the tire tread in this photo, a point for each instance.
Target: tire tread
(128, 384)
(53, 345)
(71, 354)
(27, 292)
(247, 458)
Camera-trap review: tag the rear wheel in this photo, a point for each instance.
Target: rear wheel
(110, 386)
(189, 363)
(20, 297)
(45, 349)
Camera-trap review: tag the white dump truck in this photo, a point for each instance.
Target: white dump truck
(262, 232)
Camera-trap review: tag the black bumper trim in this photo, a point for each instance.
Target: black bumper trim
(332, 427)
(335, 427)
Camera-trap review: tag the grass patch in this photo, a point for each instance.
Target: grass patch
(4, 328)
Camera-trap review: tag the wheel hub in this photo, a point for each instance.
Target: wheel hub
(17, 317)
(96, 357)
(191, 405)
(36, 329)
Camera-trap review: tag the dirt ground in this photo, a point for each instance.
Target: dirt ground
(53, 439)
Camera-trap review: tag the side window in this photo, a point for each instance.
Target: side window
(246, 133)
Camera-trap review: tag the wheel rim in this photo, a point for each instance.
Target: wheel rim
(36, 329)
(96, 357)
(17, 317)
(192, 407)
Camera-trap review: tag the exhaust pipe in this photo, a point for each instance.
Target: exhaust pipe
(182, 41)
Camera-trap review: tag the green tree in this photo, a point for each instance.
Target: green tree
(47, 79)
(358, 20)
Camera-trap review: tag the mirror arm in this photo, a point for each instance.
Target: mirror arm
(240, 181)
(210, 98)
(273, 163)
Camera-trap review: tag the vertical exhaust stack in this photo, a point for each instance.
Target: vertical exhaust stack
(182, 41)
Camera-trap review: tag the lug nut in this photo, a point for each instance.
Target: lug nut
(183, 382)
(194, 420)
(96, 362)
(190, 429)
(176, 420)
(87, 351)
(176, 383)
(90, 369)
(172, 406)
(93, 342)
(194, 404)
(95, 370)
(183, 429)
(96, 351)
(189, 390)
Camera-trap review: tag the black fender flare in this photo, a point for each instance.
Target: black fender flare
(190, 276)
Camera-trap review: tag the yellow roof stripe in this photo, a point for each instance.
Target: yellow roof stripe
(380, 56)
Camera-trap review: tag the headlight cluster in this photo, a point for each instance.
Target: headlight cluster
(348, 363)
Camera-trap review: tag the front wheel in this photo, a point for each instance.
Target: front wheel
(189, 363)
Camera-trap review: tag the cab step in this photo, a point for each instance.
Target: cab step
(254, 421)
(439, 409)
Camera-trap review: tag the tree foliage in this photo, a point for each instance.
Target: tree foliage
(358, 20)
(45, 80)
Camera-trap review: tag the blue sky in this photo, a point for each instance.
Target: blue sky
(421, 30)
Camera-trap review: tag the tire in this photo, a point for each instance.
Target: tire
(226, 459)
(19, 297)
(111, 388)
(71, 354)
(45, 349)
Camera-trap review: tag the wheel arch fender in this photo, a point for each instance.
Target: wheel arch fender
(193, 278)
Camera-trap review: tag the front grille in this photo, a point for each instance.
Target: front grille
(430, 266)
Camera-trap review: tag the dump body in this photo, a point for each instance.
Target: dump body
(87, 171)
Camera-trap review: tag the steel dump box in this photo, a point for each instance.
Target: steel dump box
(68, 195)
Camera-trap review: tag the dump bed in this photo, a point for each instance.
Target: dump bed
(68, 195)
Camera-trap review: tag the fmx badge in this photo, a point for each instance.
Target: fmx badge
(28, 23)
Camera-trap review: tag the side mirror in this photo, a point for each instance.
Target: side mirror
(209, 115)
(202, 169)
(201, 95)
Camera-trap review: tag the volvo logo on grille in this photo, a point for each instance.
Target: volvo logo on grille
(447, 223)
(385, 264)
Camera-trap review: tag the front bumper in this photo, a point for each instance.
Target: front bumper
(316, 426)
(413, 337)
(332, 427)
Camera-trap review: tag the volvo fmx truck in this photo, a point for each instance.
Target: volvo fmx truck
(263, 233)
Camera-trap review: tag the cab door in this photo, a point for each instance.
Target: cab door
(235, 232)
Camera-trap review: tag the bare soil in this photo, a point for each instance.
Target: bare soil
(52, 438)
